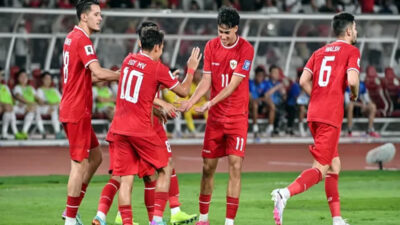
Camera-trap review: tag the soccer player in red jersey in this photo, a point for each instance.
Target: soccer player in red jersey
(136, 143)
(325, 77)
(150, 176)
(227, 62)
(79, 65)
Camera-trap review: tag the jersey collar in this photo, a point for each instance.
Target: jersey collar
(341, 41)
(143, 54)
(230, 47)
(77, 27)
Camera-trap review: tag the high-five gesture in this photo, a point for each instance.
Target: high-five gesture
(194, 59)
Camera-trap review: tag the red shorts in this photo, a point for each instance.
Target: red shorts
(223, 138)
(135, 154)
(145, 169)
(81, 138)
(326, 139)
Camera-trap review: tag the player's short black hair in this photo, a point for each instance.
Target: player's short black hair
(147, 24)
(151, 37)
(228, 16)
(83, 6)
(341, 21)
(273, 67)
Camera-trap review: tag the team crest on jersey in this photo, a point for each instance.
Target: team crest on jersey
(89, 50)
(246, 65)
(233, 64)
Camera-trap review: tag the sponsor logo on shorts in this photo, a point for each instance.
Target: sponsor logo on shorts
(206, 151)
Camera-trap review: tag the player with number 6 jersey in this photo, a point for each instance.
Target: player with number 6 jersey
(325, 77)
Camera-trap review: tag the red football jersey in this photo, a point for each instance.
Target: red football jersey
(222, 63)
(78, 53)
(329, 66)
(139, 81)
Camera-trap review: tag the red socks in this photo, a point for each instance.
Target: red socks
(107, 196)
(149, 190)
(160, 200)
(232, 205)
(73, 203)
(174, 191)
(332, 193)
(307, 179)
(204, 203)
(126, 214)
(72, 206)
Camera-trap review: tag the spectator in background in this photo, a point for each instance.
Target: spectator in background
(293, 6)
(302, 102)
(192, 112)
(275, 95)
(7, 108)
(375, 48)
(367, 6)
(26, 98)
(21, 46)
(269, 7)
(49, 99)
(291, 103)
(259, 104)
(65, 4)
(104, 99)
(121, 4)
(366, 106)
(387, 7)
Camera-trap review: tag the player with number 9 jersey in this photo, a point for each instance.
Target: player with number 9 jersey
(329, 66)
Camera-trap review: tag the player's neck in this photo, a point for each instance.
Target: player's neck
(342, 39)
(149, 54)
(85, 28)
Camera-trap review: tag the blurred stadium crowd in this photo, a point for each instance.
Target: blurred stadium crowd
(264, 6)
(275, 99)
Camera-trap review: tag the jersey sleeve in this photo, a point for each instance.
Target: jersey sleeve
(245, 61)
(207, 59)
(353, 62)
(310, 64)
(166, 78)
(86, 51)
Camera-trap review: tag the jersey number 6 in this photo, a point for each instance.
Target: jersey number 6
(322, 80)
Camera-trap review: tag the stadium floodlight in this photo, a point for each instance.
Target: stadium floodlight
(381, 154)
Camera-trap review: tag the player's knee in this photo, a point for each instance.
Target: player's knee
(208, 170)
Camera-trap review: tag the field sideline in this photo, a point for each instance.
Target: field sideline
(368, 198)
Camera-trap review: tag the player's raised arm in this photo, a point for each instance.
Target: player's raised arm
(102, 74)
(183, 89)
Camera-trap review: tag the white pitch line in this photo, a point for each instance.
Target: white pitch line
(289, 163)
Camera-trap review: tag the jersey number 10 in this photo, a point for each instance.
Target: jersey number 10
(322, 80)
(126, 85)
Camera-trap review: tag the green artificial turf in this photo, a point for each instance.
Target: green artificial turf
(368, 198)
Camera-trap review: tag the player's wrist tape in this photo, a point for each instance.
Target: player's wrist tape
(190, 71)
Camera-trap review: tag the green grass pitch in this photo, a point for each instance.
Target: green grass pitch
(368, 198)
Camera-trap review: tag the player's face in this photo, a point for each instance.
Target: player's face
(94, 18)
(354, 34)
(227, 35)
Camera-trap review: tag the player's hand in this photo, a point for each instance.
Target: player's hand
(176, 73)
(184, 106)
(352, 97)
(204, 107)
(161, 114)
(194, 59)
(169, 109)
